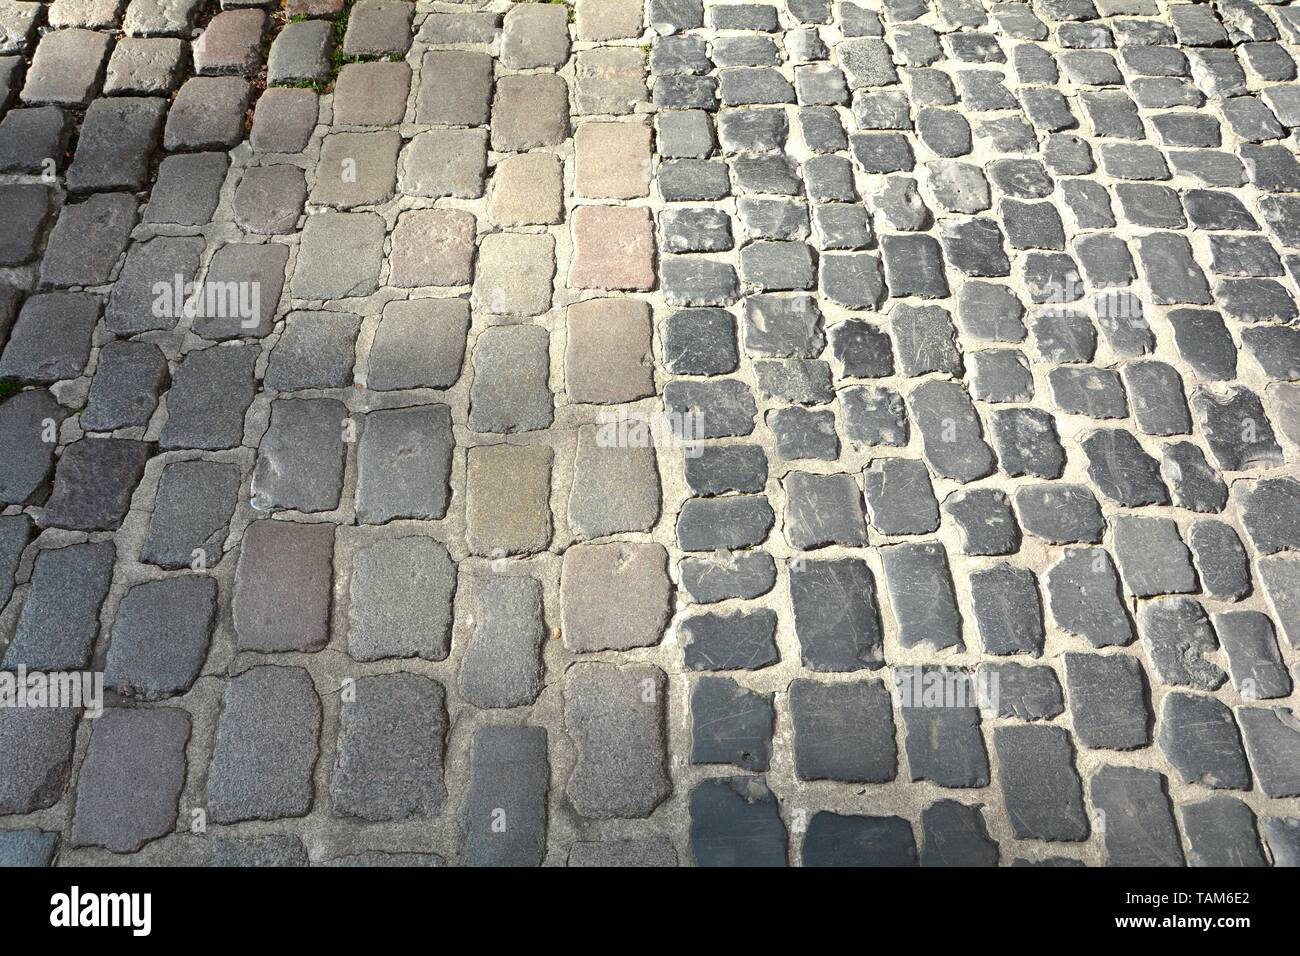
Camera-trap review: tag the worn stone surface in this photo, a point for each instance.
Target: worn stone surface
(284, 569)
(129, 787)
(161, 635)
(266, 746)
(615, 716)
(503, 814)
(614, 596)
(389, 761)
(647, 374)
(502, 664)
(403, 464)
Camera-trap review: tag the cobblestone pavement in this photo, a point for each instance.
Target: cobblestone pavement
(813, 432)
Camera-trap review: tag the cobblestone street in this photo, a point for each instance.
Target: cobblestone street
(791, 432)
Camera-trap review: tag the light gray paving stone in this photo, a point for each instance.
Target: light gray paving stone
(445, 162)
(502, 665)
(51, 338)
(389, 760)
(615, 489)
(142, 66)
(87, 241)
(420, 343)
(18, 22)
(404, 464)
(192, 511)
(173, 18)
(379, 27)
(514, 274)
(615, 717)
(301, 53)
(507, 506)
(60, 616)
(283, 586)
(357, 169)
(129, 786)
(67, 68)
(400, 600)
(339, 256)
(187, 190)
(511, 389)
(535, 36)
(614, 596)
(283, 120)
(316, 350)
(266, 746)
(208, 113)
(455, 88)
(269, 200)
(232, 43)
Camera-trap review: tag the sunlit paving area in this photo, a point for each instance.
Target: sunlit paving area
(649, 433)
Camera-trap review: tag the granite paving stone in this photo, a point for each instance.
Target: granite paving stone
(381, 626)
(60, 616)
(404, 463)
(285, 568)
(267, 745)
(389, 760)
(195, 502)
(502, 666)
(129, 786)
(503, 813)
(300, 466)
(615, 717)
(683, 419)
